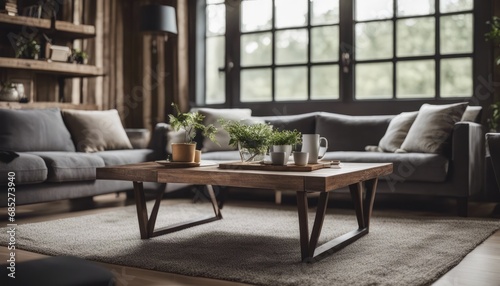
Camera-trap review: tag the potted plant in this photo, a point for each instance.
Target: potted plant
(78, 56)
(283, 140)
(494, 36)
(190, 122)
(252, 140)
(28, 49)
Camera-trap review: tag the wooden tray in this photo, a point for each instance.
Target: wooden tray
(290, 167)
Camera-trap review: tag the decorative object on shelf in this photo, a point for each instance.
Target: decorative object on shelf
(78, 56)
(284, 140)
(59, 53)
(9, 7)
(27, 48)
(252, 140)
(8, 92)
(190, 122)
(34, 11)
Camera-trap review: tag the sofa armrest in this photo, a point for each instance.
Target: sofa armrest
(158, 140)
(467, 158)
(139, 137)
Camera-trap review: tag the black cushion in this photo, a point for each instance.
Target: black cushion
(57, 271)
(304, 123)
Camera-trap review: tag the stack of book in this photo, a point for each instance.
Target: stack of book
(9, 7)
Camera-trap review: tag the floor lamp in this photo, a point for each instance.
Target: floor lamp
(157, 19)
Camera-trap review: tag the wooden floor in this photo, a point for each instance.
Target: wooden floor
(480, 267)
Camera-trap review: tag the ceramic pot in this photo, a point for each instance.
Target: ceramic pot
(282, 148)
(183, 152)
(9, 94)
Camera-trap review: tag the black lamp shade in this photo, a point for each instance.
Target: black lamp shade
(158, 18)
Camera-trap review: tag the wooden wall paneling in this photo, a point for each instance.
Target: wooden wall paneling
(47, 88)
(146, 84)
(159, 101)
(98, 82)
(183, 53)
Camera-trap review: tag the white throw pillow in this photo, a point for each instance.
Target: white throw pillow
(396, 131)
(432, 127)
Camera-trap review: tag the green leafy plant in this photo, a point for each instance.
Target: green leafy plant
(256, 138)
(286, 137)
(494, 119)
(190, 122)
(26, 48)
(78, 56)
(6, 85)
(494, 34)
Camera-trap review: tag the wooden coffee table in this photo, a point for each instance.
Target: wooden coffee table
(359, 177)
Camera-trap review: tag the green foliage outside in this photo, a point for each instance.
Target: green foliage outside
(190, 122)
(494, 36)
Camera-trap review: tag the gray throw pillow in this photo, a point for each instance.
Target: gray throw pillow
(396, 131)
(432, 127)
(212, 116)
(34, 130)
(96, 130)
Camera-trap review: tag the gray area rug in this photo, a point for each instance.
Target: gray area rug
(261, 246)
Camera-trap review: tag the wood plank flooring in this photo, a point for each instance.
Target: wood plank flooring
(480, 267)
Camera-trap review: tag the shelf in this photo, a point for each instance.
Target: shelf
(70, 30)
(42, 105)
(61, 29)
(6, 20)
(59, 68)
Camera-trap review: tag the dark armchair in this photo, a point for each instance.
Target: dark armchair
(493, 159)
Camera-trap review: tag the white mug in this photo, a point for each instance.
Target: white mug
(311, 143)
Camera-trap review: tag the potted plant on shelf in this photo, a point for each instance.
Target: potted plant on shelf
(78, 56)
(494, 37)
(252, 140)
(190, 122)
(27, 48)
(283, 140)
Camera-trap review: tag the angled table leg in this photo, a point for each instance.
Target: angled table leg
(310, 252)
(147, 226)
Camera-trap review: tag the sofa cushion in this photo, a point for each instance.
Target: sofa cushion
(432, 127)
(304, 123)
(96, 130)
(70, 166)
(351, 133)
(212, 116)
(420, 167)
(34, 130)
(472, 114)
(28, 169)
(121, 157)
(397, 131)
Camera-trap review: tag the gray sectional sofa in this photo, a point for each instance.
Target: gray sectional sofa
(46, 162)
(456, 172)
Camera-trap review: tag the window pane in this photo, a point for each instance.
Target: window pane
(325, 12)
(215, 80)
(374, 40)
(216, 20)
(456, 34)
(325, 82)
(256, 15)
(456, 77)
(415, 7)
(291, 46)
(291, 14)
(256, 49)
(325, 44)
(374, 81)
(415, 37)
(415, 79)
(373, 9)
(291, 84)
(255, 85)
(455, 5)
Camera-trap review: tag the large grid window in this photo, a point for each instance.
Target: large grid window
(413, 49)
(295, 50)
